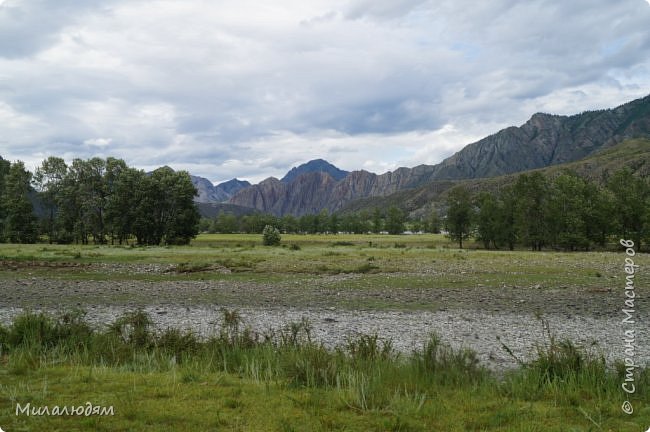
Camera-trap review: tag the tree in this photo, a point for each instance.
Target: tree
(432, 223)
(460, 214)
(94, 197)
(353, 223)
(124, 203)
(488, 220)
(566, 206)
(49, 181)
(377, 221)
(289, 224)
(82, 200)
(507, 231)
(308, 224)
(631, 196)
(395, 220)
(363, 222)
(271, 236)
(321, 221)
(166, 213)
(531, 217)
(69, 217)
(416, 226)
(175, 213)
(226, 223)
(19, 218)
(333, 224)
(597, 214)
(4, 170)
(113, 221)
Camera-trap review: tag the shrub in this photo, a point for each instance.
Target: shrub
(271, 236)
(30, 329)
(134, 328)
(178, 343)
(447, 365)
(369, 347)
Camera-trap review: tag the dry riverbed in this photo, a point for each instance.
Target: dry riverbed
(480, 317)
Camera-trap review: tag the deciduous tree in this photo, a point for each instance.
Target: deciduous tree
(19, 219)
(460, 214)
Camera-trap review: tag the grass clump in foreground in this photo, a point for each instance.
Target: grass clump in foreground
(283, 380)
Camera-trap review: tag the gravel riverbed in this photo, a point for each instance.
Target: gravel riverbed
(483, 322)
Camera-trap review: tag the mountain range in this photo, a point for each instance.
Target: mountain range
(209, 193)
(545, 140)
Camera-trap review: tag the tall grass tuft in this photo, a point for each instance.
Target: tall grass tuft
(565, 372)
(367, 373)
(444, 365)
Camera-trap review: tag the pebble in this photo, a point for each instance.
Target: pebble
(482, 331)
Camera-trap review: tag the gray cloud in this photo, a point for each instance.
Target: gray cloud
(249, 88)
(382, 9)
(29, 26)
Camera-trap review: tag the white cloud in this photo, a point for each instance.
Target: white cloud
(98, 142)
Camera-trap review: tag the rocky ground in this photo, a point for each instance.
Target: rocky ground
(481, 318)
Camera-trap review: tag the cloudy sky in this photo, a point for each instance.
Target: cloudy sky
(248, 88)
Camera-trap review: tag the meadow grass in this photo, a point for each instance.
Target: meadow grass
(418, 260)
(284, 381)
(238, 380)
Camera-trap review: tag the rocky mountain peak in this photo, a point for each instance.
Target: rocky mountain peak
(316, 165)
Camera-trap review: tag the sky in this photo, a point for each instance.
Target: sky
(248, 89)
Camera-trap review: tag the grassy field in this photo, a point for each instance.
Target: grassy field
(286, 382)
(415, 258)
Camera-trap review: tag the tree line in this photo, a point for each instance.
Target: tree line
(105, 201)
(565, 213)
(392, 221)
(96, 200)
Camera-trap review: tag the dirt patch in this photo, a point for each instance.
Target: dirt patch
(15, 265)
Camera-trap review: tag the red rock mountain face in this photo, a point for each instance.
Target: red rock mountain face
(542, 141)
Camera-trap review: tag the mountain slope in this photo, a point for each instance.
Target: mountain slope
(233, 186)
(544, 140)
(209, 193)
(316, 165)
(303, 195)
(633, 154)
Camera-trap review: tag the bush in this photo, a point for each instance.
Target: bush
(271, 236)
(134, 328)
(33, 330)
